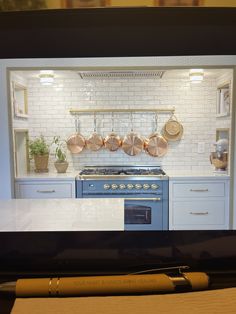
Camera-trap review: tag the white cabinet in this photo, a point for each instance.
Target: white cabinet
(45, 189)
(198, 205)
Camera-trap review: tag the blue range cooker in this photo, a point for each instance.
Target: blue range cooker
(144, 189)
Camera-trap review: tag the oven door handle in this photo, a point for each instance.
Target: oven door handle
(153, 199)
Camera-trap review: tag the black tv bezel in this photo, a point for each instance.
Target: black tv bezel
(116, 32)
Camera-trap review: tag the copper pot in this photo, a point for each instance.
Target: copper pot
(132, 143)
(112, 141)
(76, 142)
(156, 145)
(95, 140)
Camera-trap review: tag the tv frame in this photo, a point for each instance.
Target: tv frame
(116, 32)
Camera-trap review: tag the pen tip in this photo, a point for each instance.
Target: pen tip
(7, 287)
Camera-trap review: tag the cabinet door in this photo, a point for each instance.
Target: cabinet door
(201, 189)
(199, 214)
(45, 190)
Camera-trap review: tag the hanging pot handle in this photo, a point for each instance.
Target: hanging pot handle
(173, 117)
(77, 125)
(156, 118)
(112, 122)
(131, 121)
(95, 122)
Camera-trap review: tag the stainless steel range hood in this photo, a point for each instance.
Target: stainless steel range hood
(121, 74)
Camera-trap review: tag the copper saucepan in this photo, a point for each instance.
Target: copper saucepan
(156, 145)
(112, 141)
(76, 142)
(132, 143)
(95, 140)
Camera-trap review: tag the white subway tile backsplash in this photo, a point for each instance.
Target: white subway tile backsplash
(195, 106)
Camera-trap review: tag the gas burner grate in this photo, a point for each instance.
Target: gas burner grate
(123, 171)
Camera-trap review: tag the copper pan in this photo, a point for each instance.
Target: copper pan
(156, 145)
(112, 141)
(132, 143)
(76, 142)
(95, 140)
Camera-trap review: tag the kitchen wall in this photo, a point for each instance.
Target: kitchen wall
(195, 106)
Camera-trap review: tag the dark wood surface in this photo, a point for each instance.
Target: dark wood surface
(6, 305)
(114, 32)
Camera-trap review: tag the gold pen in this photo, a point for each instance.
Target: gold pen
(106, 285)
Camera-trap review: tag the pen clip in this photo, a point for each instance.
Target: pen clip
(172, 269)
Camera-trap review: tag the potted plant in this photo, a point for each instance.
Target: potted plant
(39, 150)
(60, 164)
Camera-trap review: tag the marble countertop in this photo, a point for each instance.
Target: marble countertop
(62, 215)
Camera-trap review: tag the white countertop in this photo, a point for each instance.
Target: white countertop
(67, 176)
(62, 215)
(172, 174)
(197, 175)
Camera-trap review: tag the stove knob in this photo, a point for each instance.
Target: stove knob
(154, 186)
(146, 186)
(130, 186)
(106, 186)
(114, 186)
(122, 186)
(138, 186)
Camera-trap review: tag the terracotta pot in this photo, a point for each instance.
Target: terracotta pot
(41, 163)
(61, 166)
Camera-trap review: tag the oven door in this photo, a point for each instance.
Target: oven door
(144, 213)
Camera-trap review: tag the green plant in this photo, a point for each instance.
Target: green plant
(38, 146)
(60, 153)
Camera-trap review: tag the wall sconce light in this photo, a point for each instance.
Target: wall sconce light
(196, 75)
(46, 77)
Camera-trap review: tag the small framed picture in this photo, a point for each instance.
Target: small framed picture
(222, 133)
(223, 100)
(19, 99)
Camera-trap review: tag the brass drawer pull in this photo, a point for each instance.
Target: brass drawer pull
(199, 213)
(143, 199)
(199, 190)
(46, 191)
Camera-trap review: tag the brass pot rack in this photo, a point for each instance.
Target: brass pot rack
(151, 110)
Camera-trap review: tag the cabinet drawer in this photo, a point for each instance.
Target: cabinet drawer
(201, 190)
(45, 190)
(199, 213)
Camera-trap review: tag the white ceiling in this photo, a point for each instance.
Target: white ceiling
(169, 74)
